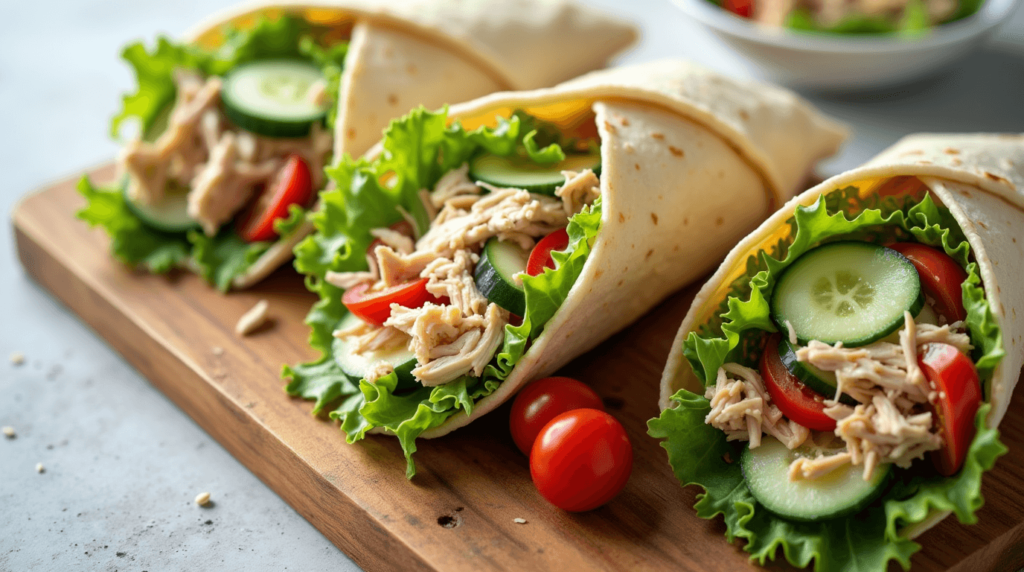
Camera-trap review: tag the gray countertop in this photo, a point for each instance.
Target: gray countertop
(121, 463)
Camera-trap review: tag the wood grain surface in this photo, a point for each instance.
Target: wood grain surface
(457, 514)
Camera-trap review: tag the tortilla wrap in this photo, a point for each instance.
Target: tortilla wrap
(691, 162)
(980, 178)
(403, 54)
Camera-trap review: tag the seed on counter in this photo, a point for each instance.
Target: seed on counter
(203, 499)
(17, 358)
(9, 432)
(40, 468)
(519, 520)
(252, 319)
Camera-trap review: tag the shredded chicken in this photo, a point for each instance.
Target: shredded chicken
(741, 408)
(396, 240)
(346, 280)
(454, 279)
(454, 183)
(448, 344)
(369, 338)
(510, 214)
(579, 190)
(891, 423)
(222, 166)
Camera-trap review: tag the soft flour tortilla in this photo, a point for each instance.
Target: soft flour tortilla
(980, 178)
(691, 162)
(406, 53)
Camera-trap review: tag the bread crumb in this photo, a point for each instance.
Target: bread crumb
(519, 520)
(40, 468)
(252, 319)
(203, 499)
(218, 351)
(9, 432)
(17, 358)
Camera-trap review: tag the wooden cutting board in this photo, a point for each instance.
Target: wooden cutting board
(457, 514)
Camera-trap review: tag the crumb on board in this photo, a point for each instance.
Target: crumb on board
(217, 351)
(40, 468)
(9, 432)
(519, 520)
(252, 319)
(17, 358)
(203, 499)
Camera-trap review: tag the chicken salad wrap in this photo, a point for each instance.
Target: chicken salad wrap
(479, 249)
(837, 385)
(238, 120)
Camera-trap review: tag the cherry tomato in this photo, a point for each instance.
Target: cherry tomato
(540, 257)
(292, 186)
(796, 401)
(581, 460)
(743, 8)
(959, 389)
(542, 401)
(941, 277)
(375, 307)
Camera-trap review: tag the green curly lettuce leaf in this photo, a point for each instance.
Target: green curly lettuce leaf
(131, 241)
(869, 539)
(417, 150)
(700, 455)
(222, 258)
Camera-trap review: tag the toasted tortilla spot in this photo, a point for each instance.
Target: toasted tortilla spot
(658, 136)
(719, 221)
(654, 218)
(637, 165)
(622, 217)
(675, 151)
(411, 68)
(686, 221)
(951, 151)
(649, 253)
(996, 178)
(392, 99)
(625, 122)
(351, 133)
(609, 127)
(598, 273)
(744, 115)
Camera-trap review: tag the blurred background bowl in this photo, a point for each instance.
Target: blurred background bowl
(837, 62)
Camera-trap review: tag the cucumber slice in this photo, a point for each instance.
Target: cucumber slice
(500, 262)
(357, 366)
(521, 173)
(839, 493)
(169, 215)
(819, 380)
(850, 292)
(270, 97)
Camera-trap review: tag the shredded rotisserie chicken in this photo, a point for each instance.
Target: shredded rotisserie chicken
(221, 165)
(741, 408)
(892, 422)
(461, 336)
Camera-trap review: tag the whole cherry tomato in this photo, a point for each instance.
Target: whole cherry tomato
(581, 460)
(941, 277)
(956, 380)
(796, 401)
(542, 401)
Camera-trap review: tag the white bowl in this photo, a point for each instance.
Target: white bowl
(836, 62)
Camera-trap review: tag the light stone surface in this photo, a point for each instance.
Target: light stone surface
(123, 464)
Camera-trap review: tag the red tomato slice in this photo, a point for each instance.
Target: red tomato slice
(941, 277)
(540, 257)
(581, 460)
(292, 186)
(959, 389)
(796, 401)
(542, 401)
(743, 8)
(375, 307)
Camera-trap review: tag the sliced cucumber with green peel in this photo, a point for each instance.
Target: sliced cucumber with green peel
(357, 366)
(839, 493)
(520, 172)
(819, 380)
(170, 214)
(850, 292)
(271, 97)
(495, 274)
